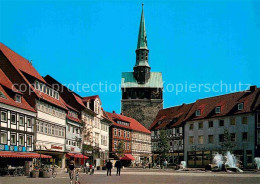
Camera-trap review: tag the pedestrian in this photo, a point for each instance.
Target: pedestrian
(71, 170)
(118, 166)
(87, 167)
(91, 169)
(109, 167)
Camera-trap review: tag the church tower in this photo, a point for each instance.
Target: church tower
(142, 89)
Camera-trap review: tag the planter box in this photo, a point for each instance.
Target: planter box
(46, 174)
(34, 174)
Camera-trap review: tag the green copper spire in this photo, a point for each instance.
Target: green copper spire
(142, 40)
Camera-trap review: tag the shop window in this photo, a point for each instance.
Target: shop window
(3, 116)
(3, 137)
(13, 139)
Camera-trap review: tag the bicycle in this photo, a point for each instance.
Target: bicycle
(77, 177)
(54, 172)
(71, 174)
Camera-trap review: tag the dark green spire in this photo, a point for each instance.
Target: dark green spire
(142, 39)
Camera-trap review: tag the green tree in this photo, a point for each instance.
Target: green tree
(120, 148)
(227, 144)
(163, 146)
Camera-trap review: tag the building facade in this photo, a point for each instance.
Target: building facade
(171, 121)
(142, 89)
(17, 119)
(136, 138)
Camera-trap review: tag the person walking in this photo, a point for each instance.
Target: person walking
(109, 167)
(71, 170)
(118, 166)
(87, 167)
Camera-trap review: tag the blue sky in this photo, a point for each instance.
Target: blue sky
(195, 42)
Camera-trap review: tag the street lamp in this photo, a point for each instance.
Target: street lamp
(40, 145)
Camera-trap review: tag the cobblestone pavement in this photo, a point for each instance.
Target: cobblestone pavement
(139, 176)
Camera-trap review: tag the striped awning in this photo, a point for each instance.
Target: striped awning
(11, 154)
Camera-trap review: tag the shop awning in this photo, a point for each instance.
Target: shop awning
(76, 155)
(127, 157)
(11, 154)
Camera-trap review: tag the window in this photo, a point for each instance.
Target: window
(119, 133)
(3, 116)
(52, 130)
(210, 124)
(29, 141)
(115, 131)
(244, 136)
(13, 119)
(200, 125)
(201, 139)
(124, 133)
(191, 140)
(221, 137)
(210, 139)
(18, 98)
(233, 137)
(232, 121)
(191, 126)
(115, 144)
(244, 120)
(21, 121)
(197, 113)
(21, 140)
(41, 127)
(170, 143)
(128, 146)
(217, 110)
(13, 139)
(45, 128)
(29, 122)
(3, 138)
(221, 122)
(128, 134)
(240, 106)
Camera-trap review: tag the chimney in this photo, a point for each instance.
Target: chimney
(252, 88)
(114, 112)
(121, 113)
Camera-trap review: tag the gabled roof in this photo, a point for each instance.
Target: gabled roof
(128, 81)
(20, 63)
(88, 98)
(134, 125)
(171, 117)
(23, 67)
(6, 88)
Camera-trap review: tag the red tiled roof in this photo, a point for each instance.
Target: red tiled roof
(23, 65)
(10, 154)
(171, 117)
(73, 119)
(86, 99)
(134, 125)
(20, 63)
(4, 81)
(79, 100)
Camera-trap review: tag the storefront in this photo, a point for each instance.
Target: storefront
(78, 159)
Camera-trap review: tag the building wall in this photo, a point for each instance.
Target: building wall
(15, 128)
(216, 130)
(73, 131)
(115, 138)
(141, 146)
(144, 111)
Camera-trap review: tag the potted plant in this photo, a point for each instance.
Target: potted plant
(34, 173)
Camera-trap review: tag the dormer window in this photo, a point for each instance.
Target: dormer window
(197, 112)
(217, 110)
(18, 98)
(2, 95)
(240, 106)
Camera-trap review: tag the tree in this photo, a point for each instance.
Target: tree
(227, 144)
(120, 148)
(163, 146)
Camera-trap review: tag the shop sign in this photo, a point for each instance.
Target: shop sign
(56, 147)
